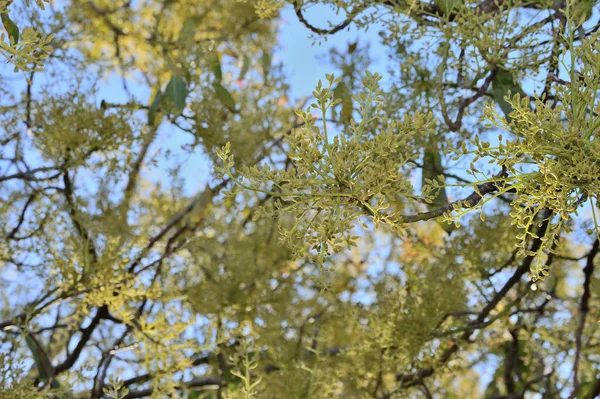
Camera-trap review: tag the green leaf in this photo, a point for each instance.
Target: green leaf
(342, 92)
(586, 389)
(352, 47)
(11, 28)
(40, 357)
(214, 63)
(154, 107)
(176, 93)
(581, 9)
(432, 168)
(224, 96)
(188, 30)
(245, 67)
(266, 63)
(492, 389)
(44, 365)
(503, 83)
(447, 6)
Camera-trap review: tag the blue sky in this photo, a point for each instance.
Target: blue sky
(300, 56)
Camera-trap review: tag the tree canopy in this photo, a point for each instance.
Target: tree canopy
(427, 232)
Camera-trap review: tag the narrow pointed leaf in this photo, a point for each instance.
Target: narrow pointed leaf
(447, 6)
(266, 63)
(152, 111)
(176, 93)
(245, 67)
(214, 59)
(342, 92)
(501, 85)
(188, 31)
(492, 389)
(581, 9)
(11, 28)
(352, 47)
(224, 96)
(40, 357)
(44, 365)
(432, 168)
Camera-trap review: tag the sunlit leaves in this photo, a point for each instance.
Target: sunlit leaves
(117, 389)
(27, 48)
(336, 180)
(561, 149)
(268, 8)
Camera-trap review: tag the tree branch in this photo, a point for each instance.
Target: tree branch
(86, 334)
(335, 29)
(196, 382)
(468, 202)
